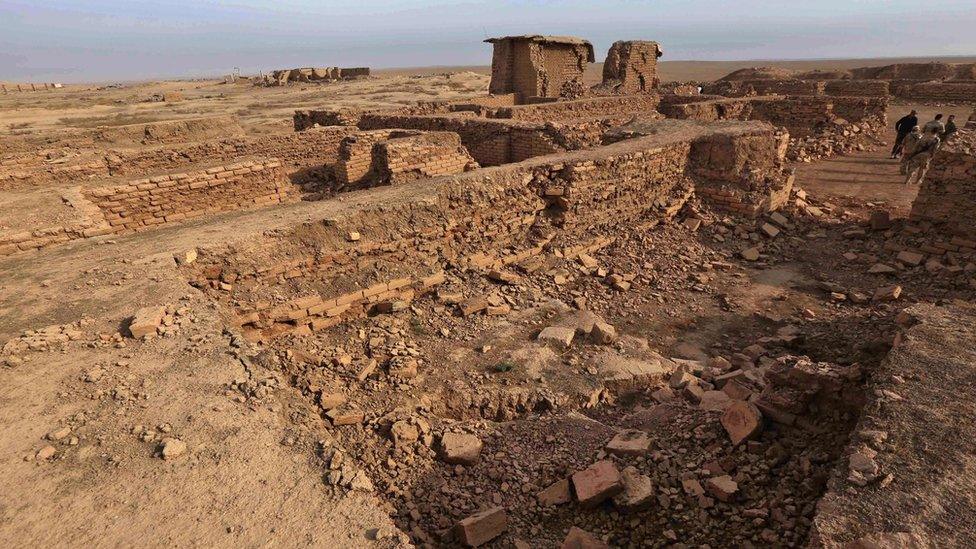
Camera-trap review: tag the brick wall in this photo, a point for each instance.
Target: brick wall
(955, 92)
(857, 88)
(947, 197)
(531, 68)
(390, 157)
(317, 147)
(492, 142)
(147, 203)
(631, 66)
(579, 108)
(484, 219)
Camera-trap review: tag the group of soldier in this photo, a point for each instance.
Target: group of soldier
(916, 145)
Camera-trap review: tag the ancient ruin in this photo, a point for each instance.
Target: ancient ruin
(537, 312)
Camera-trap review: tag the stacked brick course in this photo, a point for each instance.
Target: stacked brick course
(537, 66)
(296, 150)
(390, 157)
(147, 203)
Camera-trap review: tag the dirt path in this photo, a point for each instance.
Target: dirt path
(870, 176)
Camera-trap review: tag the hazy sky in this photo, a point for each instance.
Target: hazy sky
(86, 40)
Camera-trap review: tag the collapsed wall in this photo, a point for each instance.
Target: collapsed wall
(802, 116)
(315, 74)
(486, 218)
(631, 66)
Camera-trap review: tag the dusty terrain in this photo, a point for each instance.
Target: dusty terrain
(208, 434)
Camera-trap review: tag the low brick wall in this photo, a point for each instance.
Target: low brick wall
(483, 219)
(493, 142)
(185, 130)
(390, 157)
(147, 203)
(580, 108)
(312, 148)
(951, 92)
(857, 88)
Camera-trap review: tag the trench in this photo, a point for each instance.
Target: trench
(406, 371)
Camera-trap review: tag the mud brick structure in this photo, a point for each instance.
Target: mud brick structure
(537, 66)
(145, 203)
(947, 197)
(800, 115)
(508, 214)
(315, 74)
(390, 157)
(631, 66)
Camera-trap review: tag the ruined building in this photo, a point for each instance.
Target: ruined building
(631, 66)
(537, 66)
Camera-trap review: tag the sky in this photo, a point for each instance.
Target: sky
(100, 40)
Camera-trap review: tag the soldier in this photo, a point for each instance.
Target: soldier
(908, 147)
(903, 127)
(921, 157)
(950, 128)
(936, 124)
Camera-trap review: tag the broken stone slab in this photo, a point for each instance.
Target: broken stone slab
(629, 443)
(770, 230)
(614, 368)
(714, 401)
(742, 421)
(910, 258)
(557, 336)
(603, 333)
(460, 448)
(597, 483)
(638, 490)
(340, 417)
(881, 268)
(480, 528)
(750, 254)
(556, 493)
(146, 321)
(473, 305)
(722, 488)
(887, 293)
(581, 539)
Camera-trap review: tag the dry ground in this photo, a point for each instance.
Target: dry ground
(253, 472)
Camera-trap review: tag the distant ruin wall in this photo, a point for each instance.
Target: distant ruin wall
(801, 116)
(952, 92)
(857, 88)
(152, 133)
(493, 142)
(147, 203)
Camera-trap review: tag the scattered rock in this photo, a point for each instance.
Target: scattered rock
(482, 527)
(172, 448)
(460, 448)
(629, 443)
(742, 421)
(597, 483)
